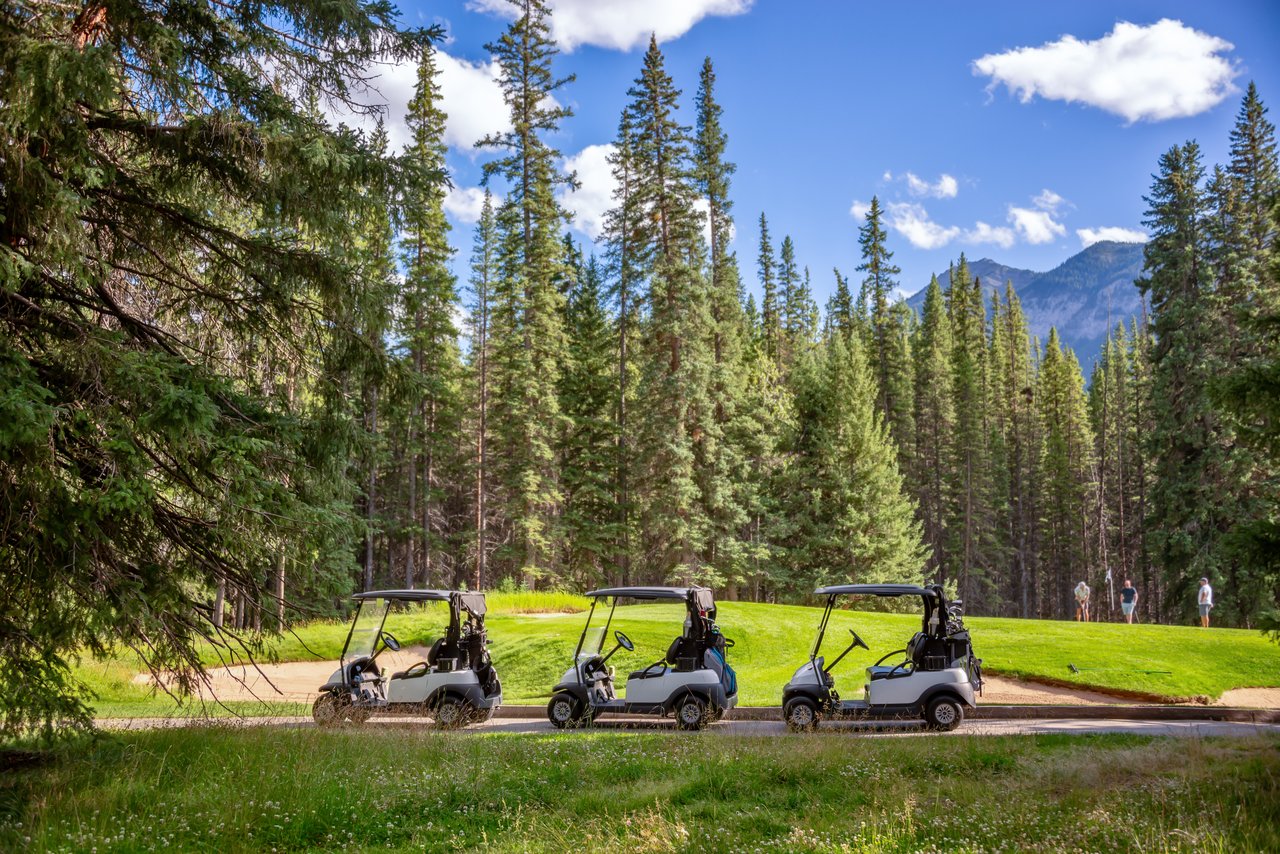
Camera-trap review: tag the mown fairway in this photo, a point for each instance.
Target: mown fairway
(533, 643)
(300, 790)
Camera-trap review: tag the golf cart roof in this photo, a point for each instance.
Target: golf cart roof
(472, 603)
(644, 593)
(875, 590)
(406, 595)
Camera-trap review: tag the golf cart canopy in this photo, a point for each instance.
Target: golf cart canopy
(698, 597)
(875, 590)
(472, 603)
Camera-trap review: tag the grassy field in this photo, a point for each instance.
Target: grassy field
(249, 790)
(534, 638)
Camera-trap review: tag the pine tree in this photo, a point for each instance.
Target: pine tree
(1186, 511)
(429, 298)
(626, 258)
(770, 313)
(146, 456)
(588, 447)
(679, 427)
(723, 474)
(845, 497)
(484, 274)
(1066, 486)
(840, 312)
(935, 426)
(532, 220)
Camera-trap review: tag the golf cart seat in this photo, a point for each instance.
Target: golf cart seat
(420, 668)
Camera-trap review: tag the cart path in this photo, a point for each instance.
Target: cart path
(298, 681)
(882, 729)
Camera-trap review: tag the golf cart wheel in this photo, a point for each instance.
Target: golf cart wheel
(452, 713)
(718, 713)
(691, 712)
(480, 716)
(564, 710)
(358, 715)
(330, 710)
(801, 714)
(944, 714)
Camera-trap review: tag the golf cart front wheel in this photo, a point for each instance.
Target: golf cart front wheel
(452, 713)
(691, 712)
(564, 711)
(944, 714)
(330, 710)
(801, 715)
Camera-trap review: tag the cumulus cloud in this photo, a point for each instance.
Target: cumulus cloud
(945, 187)
(858, 210)
(1048, 200)
(1035, 226)
(1164, 70)
(984, 233)
(621, 24)
(472, 100)
(464, 203)
(594, 195)
(1090, 236)
(469, 95)
(912, 221)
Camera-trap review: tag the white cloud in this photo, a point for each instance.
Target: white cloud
(469, 96)
(472, 100)
(1164, 70)
(621, 24)
(594, 195)
(1090, 236)
(1035, 226)
(945, 188)
(464, 203)
(912, 222)
(984, 233)
(1048, 200)
(859, 209)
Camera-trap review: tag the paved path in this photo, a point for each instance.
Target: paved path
(1066, 726)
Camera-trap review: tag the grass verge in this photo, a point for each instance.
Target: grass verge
(241, 790)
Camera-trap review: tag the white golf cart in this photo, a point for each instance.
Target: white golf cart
(455, 685)
(692, 680)
(935, 679)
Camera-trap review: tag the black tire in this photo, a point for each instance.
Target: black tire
(718, 713)
(481, 716)
(691, 712)
(452, 713)
(801, 714)
(944, 714)
(358, 716)
(328, 712)
(564, 710)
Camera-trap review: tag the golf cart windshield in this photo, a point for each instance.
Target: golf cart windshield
(366, 628)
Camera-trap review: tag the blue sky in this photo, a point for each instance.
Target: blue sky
(971, 144)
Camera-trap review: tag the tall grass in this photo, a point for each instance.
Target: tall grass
(401, 790)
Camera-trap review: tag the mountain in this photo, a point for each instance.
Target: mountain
(1084, 296)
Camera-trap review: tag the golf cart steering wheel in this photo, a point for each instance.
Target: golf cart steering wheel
(857, 641)
(623, 641)
(390, 642)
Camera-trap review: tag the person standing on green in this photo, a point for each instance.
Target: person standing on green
(1082, 602)
(1205, 600)
(1128, 600)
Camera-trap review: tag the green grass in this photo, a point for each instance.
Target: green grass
(252, 789)
(534, 636)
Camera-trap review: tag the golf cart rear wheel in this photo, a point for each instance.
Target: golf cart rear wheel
(691, 712)
(801, 714)
(452, 713)
(943, 714)
(564, 710)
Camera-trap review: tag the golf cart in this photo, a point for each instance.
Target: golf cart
(935, 678)
(692, 680)
(455, 685)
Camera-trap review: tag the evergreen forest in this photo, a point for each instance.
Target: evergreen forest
(240, 378)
